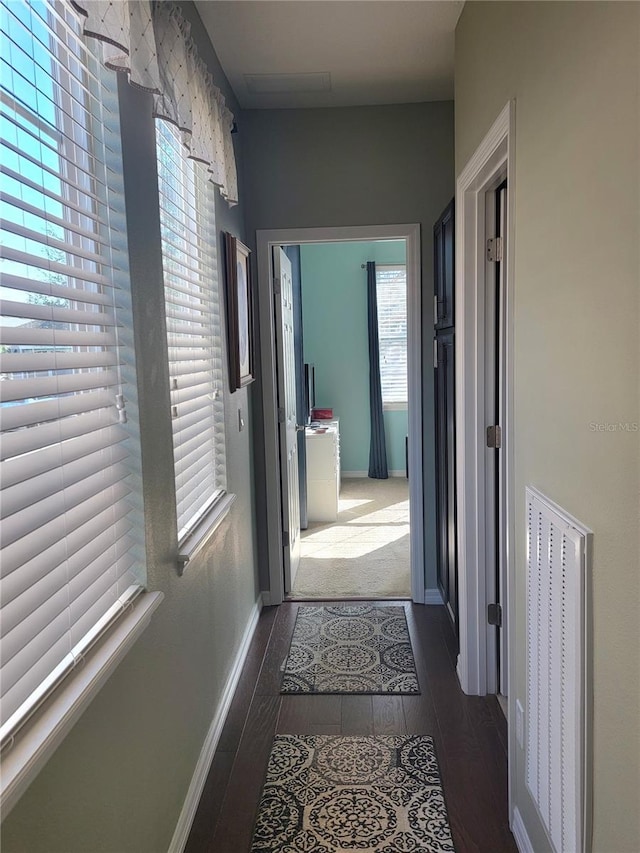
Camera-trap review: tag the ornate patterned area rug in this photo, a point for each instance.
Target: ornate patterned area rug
(325, 794)
(360, 648)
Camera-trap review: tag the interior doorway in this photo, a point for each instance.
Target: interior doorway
(356, 527)
(349, 324)
(365, 552)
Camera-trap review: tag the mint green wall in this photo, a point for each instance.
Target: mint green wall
(334, 311)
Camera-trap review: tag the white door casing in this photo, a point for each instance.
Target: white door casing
(494, 157)
(477, 662)
(287, 415)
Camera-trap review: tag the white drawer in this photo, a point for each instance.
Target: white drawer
(322, 456)
(322, 500)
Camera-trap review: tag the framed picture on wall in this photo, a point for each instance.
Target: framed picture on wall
(239, 312)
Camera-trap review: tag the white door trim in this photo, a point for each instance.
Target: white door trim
(266, 240)
(495, 156)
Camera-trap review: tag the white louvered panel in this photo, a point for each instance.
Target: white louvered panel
(89, 295)
(109, 596)
(34, 414)
(49, 313)
(194, 387)
(70, 606)
(17, 583)
(18, 643)
(43, 594)
(202, 485)
(90, 516)
(194, 452)
(191, 432)
(391, 291)
(53, 481)
(41, 512)
(47, 457)
(197, 498)
(557, 547)
(58, 646)
(194, 335)
(73, 576)
(23, 362)
(69, 453)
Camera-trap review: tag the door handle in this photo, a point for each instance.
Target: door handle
(300, 427)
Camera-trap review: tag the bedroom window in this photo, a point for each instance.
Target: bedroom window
(391, 289)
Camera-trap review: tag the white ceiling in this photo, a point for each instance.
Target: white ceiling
(376, 51)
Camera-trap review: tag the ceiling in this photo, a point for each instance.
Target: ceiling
(334, 53)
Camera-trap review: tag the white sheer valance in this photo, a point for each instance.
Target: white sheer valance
(151, 42)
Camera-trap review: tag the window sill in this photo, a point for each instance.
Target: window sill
(199, 536)
(41, 736)
(395, 407)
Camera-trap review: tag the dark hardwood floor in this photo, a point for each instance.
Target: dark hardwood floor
(469, 732)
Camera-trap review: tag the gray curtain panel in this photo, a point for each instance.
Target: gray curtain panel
(378, 448)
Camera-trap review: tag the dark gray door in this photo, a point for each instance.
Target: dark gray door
(446, 472)
(444, 253)
(444, 384)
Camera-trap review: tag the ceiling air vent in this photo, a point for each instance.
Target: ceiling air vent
(263, 84)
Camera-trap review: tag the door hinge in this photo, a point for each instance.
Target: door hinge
(435, 352)
(281, 415)
(276, 285)
(494, 615)
(285, 538)
(494, 436)
(494, 249)
(436, 309)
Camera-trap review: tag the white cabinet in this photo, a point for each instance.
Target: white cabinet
(323, 471)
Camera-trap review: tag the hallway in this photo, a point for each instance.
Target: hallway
(469, 732)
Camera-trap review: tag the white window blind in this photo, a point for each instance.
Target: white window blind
(391, 290)
(70, 494)
(194, 330)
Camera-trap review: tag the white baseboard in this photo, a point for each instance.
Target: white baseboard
(356, 475)
(183, 827)
(520, 833)
(432, 596)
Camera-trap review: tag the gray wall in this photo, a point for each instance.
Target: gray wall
(573, 69)
(119, 780)
(357, 166)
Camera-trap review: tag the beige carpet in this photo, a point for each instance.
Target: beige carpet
(366, 551)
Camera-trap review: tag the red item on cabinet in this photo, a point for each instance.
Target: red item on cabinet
(322, 414)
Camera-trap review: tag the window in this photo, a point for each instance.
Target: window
(391, 289)
(194, 333)
(70, 482)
